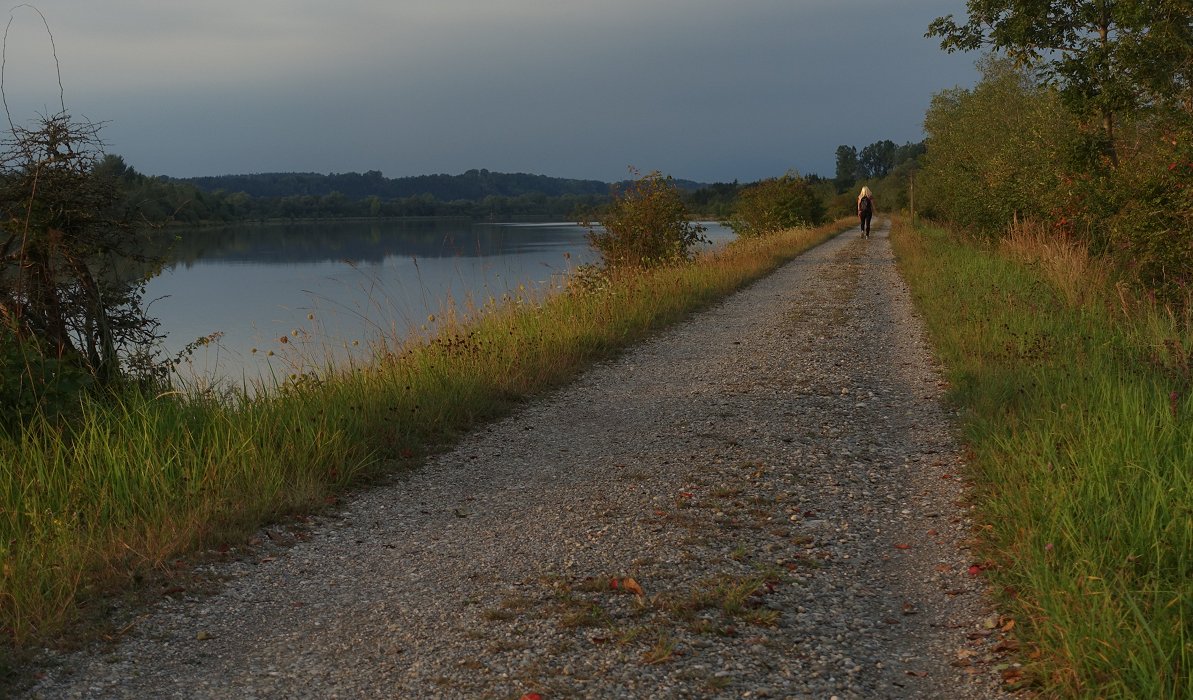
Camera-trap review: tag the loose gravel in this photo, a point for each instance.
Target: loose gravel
(764, 501)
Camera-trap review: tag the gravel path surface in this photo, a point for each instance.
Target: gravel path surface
(763, 501)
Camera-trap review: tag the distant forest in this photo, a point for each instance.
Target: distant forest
(475, 194)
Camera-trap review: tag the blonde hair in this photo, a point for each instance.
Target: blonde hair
(864, 193)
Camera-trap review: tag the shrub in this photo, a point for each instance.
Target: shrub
(645, 225)
(775, 204)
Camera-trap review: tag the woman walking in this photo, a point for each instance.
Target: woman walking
(865, 209)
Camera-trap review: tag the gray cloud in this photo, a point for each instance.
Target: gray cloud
(699, 89)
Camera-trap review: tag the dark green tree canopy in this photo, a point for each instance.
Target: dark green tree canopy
(1106, 56)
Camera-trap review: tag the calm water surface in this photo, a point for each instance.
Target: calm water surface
(332, 288)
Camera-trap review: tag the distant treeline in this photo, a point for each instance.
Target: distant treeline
(475, 194)
(474, 185)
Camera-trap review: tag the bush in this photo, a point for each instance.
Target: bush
(645, 225)
(35, 383)
(72, 269)
(772, 205)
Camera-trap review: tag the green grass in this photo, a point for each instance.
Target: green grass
(1077, 408)
(134, 481)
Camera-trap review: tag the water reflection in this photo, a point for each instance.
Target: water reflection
(331, 288)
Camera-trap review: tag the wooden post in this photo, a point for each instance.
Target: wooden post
(911, 195)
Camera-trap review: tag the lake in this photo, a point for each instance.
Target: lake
(333, 287)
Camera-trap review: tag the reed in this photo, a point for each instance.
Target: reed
(137, 481)
(1078, 412)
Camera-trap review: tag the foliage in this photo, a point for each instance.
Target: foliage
(646, 225)
(715, 201)
(997, 151)
(35, 383)
(849, 169)
(1077, 402)
(1145, 211)
(71, 270)
(1009, 150)
(873, 162)
(1107, 57)
(775, 204)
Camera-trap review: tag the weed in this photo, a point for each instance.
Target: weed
(661, 651)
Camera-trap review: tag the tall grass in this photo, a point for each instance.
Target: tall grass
(1079, 415)
(137, 480)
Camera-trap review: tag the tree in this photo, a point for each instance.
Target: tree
(877, 159)
(645, 225)
(775, 204)
(848, 167)
(996, 151)
(72, 271)
(1107, 56)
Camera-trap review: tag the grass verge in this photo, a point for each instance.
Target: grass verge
(88, 507)
(1077, 408)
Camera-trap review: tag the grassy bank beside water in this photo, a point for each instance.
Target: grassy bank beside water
(1077, 408)
(132, 482)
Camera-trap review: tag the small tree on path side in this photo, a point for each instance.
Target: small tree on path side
(645, 225)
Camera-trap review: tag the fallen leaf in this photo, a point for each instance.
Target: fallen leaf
(974, 570)
(1006, 645)
(943, 568)
(918, 674)
(203, 635)
(631, 586)
(532, 696)
(1009, 626)
(902, 545)
(908, 608)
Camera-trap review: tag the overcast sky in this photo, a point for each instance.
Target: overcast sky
(708, 90)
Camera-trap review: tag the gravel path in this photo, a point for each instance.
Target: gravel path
(763, 501)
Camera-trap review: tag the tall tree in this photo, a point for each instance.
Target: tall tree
(878, 158)
(1106, 56)
(848, 167)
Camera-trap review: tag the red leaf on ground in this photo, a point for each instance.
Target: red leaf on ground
(975, 570)
(631, 586)
(532, 696)
(902, 545)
